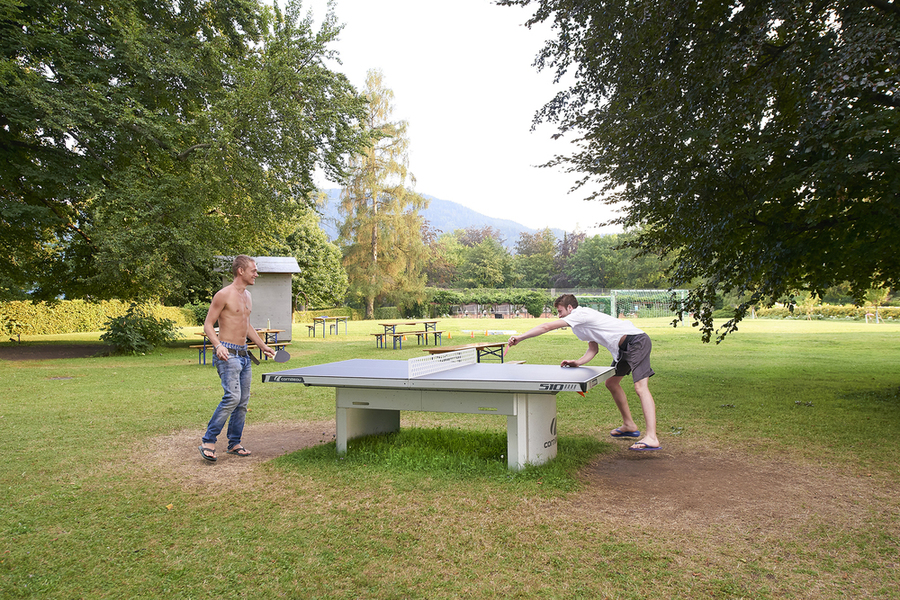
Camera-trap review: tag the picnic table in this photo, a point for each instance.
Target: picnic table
(335, 326)
(390, 331)
(482, 349)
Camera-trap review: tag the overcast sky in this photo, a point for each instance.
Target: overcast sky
(462, 76)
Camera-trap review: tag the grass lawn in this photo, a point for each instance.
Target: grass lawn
(777, 479)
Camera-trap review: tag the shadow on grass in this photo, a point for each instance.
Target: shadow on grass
(449, 454)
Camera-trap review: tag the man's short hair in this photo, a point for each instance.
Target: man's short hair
(566, 300)
(241, 261)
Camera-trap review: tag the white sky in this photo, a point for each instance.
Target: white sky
(462, 76)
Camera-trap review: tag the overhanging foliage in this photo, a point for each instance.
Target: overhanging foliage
(140, 139)
(754, 143)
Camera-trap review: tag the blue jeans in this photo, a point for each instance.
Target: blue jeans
(235, 375)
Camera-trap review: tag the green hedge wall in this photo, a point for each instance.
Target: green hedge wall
(829, 311)
(533, 301)
(74, 316)
(306, 316)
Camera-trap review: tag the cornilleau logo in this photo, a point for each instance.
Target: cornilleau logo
(285, 379)
(552, 441)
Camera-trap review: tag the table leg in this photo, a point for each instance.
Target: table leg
(353, 423)
(531, 432)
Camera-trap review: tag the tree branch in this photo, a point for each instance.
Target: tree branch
(185, 154)
(885, 5)
(161, 143)
(68, 223)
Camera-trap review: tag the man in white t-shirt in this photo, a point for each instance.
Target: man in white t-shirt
(630, 349)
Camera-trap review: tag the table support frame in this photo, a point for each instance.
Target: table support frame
(530, 418)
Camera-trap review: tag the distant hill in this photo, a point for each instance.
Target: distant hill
(443, 215)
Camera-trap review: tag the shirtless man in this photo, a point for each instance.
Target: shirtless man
(231, 307)
(630, 349)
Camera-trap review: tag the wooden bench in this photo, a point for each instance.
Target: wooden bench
(201, 350)
(379, 340)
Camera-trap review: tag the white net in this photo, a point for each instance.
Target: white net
(426, 365)
(645, 303)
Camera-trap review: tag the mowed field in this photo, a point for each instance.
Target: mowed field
(777, 478)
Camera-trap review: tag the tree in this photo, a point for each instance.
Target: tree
(566, 248)
(534, 260)
(322, 281)
(140, 139)
(487, 265)
(444, 258)
(381, 235)
(606, 261)
(472, 236)
(753, 143)
(593, 264)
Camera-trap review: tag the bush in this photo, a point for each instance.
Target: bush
(828, 311)
(387, 313)
(535, 302)
(199, 310)
(138, 331)
(442, 301)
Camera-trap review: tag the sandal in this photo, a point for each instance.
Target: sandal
(208, 453)
(239, 451)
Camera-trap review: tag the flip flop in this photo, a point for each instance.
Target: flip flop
(618, 433)
(239, 451)
(208, 453)
(644, 447)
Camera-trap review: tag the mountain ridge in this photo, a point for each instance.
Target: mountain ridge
(443, 215)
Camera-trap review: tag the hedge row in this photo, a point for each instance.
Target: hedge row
(533, 301)
(306, 316)
(829, 311)
(74, 316)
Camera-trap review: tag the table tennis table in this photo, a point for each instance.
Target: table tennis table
(370, 394)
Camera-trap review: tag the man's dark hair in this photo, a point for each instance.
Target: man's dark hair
(566, 300)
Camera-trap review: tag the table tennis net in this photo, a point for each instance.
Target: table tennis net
(426, 365)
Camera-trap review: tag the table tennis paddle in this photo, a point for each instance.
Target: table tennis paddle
(282, 356)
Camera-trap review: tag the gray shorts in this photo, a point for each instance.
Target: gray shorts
(634, 358)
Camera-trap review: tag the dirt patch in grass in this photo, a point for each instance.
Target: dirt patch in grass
(678, 487)
(15, 351)
(719, 511)
(179, 455)
(681, 487)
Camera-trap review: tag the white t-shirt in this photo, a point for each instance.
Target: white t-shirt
(590, 325)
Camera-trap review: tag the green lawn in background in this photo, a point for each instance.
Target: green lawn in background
(432, 512)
